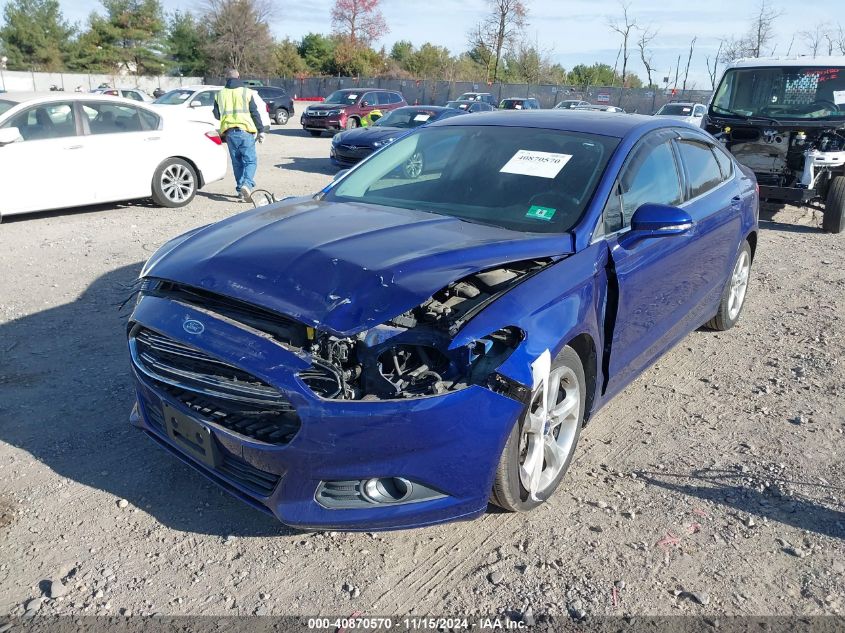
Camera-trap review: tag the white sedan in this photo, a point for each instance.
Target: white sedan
(70, 150)
(196, 103)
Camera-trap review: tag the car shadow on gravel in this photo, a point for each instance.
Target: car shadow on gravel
(309, 165)
(293, 132)
(768, 222)
(741, 491)
(65, 397)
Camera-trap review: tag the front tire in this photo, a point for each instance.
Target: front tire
(174, 183)
(542, 443)
(833, 220)
(733, 296)
(282, 116)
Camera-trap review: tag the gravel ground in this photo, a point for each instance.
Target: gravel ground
(713, 484)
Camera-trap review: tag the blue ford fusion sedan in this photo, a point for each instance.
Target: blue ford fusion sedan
(406, 346)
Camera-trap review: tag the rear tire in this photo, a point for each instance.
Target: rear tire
(833, 220)
(733, 296)
(315, 132)
(509, 486)
(282, 116)
(174, 184)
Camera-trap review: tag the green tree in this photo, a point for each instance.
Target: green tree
(35, 35)
(137, 28)
(186, 44)
(402, 52)
(288, 63)
(430, 62)
(318, 53)
(96, 49)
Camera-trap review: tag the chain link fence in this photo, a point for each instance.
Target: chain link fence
(432, 92)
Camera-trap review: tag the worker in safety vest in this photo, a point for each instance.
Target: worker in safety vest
(240, 127)
(371, 118)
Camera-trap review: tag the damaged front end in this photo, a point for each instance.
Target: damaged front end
(408, 356)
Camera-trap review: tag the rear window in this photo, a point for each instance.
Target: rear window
(174, 97)
(673, 109)
(395, 97)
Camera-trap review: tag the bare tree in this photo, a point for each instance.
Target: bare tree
(835, 40)
(646, 36)
(689, 59)
(499, 31)
(813, 38)
(623, 25)
(758, 37)
(712, 71)
(479, 46)
(238, 35)
(763, 28)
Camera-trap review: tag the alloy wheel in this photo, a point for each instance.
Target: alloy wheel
(739, 284)
(549, 431)
(177, 183)
(414, 166)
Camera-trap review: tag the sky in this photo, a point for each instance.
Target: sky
(572, 31)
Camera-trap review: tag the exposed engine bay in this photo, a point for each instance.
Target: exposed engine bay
(409, 356)
(805, 159)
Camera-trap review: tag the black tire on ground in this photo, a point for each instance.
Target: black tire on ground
(282, 116)
(833, 220)
(508, 492)
(174, 183)
(315, 132)
(351, 123)
(723, 320)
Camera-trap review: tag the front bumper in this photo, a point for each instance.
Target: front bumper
(324, 123)
(450, 443)
(346, 157)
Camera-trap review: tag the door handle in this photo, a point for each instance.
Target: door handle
(74, 147)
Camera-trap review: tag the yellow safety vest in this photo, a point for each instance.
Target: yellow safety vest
(233, 104)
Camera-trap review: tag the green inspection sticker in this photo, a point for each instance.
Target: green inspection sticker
(541, 213)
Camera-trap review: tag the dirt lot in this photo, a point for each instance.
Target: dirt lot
(713, 484)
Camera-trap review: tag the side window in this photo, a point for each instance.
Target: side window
(651, 175)
(131, 94)
(383, 98)
(113, 118)
(370, 98)
(699, 110)
(725, 162)
(395, 97)
(701, 167)
(206, 98)
(46, 121)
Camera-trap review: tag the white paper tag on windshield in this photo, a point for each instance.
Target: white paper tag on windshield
(839, 97)
(539, 164)
(422, 117)
(352, 97)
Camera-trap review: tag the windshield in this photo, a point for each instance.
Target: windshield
(339, 96)
(6, 105)
(174, 97)
(782, 93)
(524, 179)
(674, 109)
(407, 118)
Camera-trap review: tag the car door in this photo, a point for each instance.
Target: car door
(126, 147)
(201, 107)
(46, 167)
(652, 275)
(368, 103)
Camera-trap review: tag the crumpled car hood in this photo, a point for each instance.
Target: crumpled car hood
(341, 267)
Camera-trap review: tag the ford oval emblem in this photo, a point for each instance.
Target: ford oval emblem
(192, 326)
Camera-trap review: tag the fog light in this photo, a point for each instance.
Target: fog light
(373, 492)
(388, 490)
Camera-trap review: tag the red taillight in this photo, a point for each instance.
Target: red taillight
(267, 105)
(214, 137)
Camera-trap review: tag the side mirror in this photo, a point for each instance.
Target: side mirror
(340, 174)
(9, 135)
(365, 104)
(658, 220)
(195, 104)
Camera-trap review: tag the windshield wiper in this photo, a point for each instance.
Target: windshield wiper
(746, 117)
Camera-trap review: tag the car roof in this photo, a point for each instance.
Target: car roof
(49, 97)
(682, 103)
(798, 60)
(365, 90)
(587, 121)
(433, 108)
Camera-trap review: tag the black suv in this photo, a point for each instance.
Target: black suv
(278, 101)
